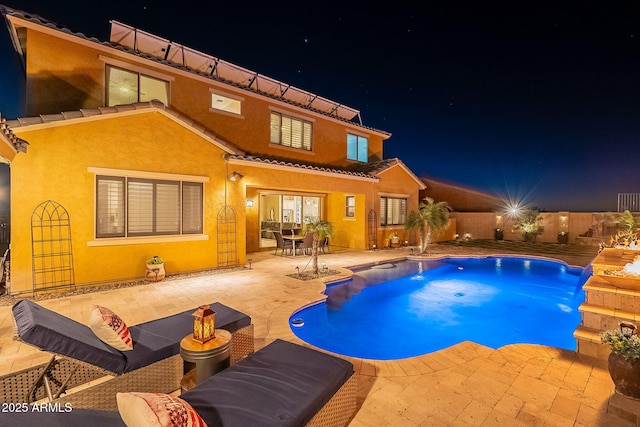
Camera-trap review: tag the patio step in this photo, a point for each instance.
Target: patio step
(589, 343)
(606, 305)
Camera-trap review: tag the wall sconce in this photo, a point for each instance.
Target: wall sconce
(236, 176)
(204, 324)
(249, 203)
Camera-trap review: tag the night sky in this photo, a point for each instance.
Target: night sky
(535, 101)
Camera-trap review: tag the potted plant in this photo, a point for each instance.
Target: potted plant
(394, 240)
(624, 360)
(155, 269)
(498, 234)
(563, 237)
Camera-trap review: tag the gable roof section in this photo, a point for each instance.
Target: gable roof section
(106, 112)
(379, 167)
(231, 74)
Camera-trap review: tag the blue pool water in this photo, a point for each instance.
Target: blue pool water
(408, 308)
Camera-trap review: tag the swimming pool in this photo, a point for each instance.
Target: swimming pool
(408, 308)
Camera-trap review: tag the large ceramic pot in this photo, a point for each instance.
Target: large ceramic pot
(498, 234)
(155, 272)
(563, 238)
(625, 375)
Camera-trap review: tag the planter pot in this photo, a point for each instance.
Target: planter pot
(530, 237)
(155, 272)
(498, 235)
(625, 375)
(563, 239)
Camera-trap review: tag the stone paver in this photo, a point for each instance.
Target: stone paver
(467, 384)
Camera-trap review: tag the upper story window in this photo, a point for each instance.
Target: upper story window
(128, 87)
(357, 148)
(226, 103)
(393, 210)
(290, 132)
(129, 206)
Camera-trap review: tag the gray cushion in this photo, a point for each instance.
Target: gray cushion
(283, 384)
(152, 341)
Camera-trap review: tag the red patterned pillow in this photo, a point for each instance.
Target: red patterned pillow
(110, 328)
(156, 409)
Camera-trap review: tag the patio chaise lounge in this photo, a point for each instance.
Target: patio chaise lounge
(81, 358)
(283, 384)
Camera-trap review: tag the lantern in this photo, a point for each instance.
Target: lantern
(627, 329)
(204, 324)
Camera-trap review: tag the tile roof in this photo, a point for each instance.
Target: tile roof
(287, 163)
(17, 143)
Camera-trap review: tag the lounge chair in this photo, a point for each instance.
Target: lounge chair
(79, 357)
(283, 384)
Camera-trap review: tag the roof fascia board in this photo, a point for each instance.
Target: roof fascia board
(261, 165)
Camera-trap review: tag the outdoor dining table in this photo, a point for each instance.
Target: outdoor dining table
(294, 238)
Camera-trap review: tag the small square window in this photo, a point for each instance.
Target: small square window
(224, 103)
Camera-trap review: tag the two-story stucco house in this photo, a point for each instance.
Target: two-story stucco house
(139, 146)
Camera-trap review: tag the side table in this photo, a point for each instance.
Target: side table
(203, 360)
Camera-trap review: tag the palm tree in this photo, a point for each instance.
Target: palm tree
(321, 229)
(432, 217)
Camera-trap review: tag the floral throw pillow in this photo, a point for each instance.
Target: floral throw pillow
(156, 409)
(110, 328)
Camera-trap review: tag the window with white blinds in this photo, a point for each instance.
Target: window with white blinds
(350, 207)
(128, 206)
(290, 132)
(393, 211)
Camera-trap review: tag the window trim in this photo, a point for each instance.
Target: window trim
(347, 206)
(240, 99)
(152, 176)
(358, 137)
(296, 118)
(383, 218)
(139, 71)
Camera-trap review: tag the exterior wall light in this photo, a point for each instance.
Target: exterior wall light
(236, 176)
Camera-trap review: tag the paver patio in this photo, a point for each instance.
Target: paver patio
(467, 384)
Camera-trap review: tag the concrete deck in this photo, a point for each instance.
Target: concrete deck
(467, 384)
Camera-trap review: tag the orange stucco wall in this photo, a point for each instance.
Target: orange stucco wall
(56, 168)
(72, 76)
(349, 232)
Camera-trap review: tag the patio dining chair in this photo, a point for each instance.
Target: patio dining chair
(307, 244)
(324, 245)
(282, 244)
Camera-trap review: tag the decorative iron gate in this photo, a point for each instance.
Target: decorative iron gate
(227, 247)
(373, 229)
(52, 257)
